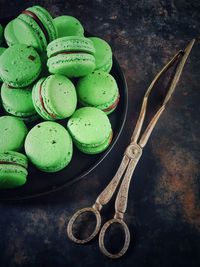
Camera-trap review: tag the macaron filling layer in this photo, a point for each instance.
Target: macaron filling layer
(106, 110)
(68, 52)
(42, 102)
(18, 102)
(95, 149)
(47, 21)
(12, 163)
(22, 115)
(113, 106)
(13, 169)
(29, 117)
(91, 145)
(70, 43)
(38, 21)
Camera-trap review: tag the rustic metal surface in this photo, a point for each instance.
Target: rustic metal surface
(163, 210)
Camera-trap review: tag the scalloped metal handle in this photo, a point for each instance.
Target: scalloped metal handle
(102, 237)
(73, 220)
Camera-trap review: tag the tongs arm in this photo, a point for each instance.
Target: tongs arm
(184, 55)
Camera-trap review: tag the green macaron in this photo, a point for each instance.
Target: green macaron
(68, 26)
(14, 34)
(103, 55)
(2, 50)
(34, 27)
(72, 56)
(54, 97)
(48, 145)
(13, 169)
(12, 132)
(18, 102)
(90, 129)
(1, 34)
(20, 65)
(98, 89)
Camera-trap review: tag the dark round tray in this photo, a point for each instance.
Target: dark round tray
(40, 183)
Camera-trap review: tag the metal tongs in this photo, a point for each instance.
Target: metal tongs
(130, 159)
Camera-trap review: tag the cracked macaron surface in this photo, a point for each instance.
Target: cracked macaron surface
(48, 146)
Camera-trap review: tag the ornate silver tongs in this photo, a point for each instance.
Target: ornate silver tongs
(130, 159)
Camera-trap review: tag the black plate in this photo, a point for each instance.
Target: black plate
(40, 183)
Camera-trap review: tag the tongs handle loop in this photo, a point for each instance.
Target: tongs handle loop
(72, 222)
(102, 238)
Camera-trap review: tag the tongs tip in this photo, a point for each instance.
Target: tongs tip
(190, 45)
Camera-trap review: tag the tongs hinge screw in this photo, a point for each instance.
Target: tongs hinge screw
(133, 151)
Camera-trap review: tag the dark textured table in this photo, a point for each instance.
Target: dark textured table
(164, 202)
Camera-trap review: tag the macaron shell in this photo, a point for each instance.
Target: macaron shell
(71, 65)
(49, 146)
(35, 37)
(72, 56)
(98, 89)
(8, 140)
(17, 101)
(12, 176)
(13, 169)
(59, 96)
(68, 26)
(107, 67)
(70, 43)
(14, 34)
(16, 157)
(9, 34)
(103, 55)
(24, 116)
(2, 50)
(20, 65)
(46, 20)
(38, 34)
(37, 101)
(89, 126)
(94, 150)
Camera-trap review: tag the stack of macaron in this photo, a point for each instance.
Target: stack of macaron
(49, 72)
